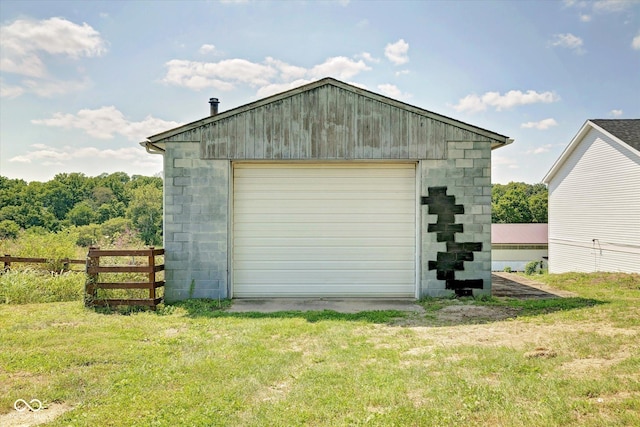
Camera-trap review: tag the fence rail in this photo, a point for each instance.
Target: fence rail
(7, 260)
(95, 269)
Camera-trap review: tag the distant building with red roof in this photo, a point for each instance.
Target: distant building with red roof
(515, 245)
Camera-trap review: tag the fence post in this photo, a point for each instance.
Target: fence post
(65, 265)
(90, 290)
(152, 276)
(7, 263)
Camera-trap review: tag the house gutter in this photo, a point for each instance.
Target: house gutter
(152, 148)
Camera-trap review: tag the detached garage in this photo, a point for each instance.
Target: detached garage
(326, 190)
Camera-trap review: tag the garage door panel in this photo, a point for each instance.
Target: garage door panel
(309, 265)
(337, 230)
(326, 230)
(355, 289)
(265, 219)
(355, 242)
(327, 253)
(322, 277)
(306, 206)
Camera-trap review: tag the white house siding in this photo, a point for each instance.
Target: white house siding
(594, 208)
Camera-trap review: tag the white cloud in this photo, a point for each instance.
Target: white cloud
(503, 161)
(541, 125)
(10, 91)
(57, 155)
(568, 41)
(220, 75)
(402, 72)
(615, 113)
(635, 43)
(48, 160)
(368, 57)
(50, 88)
(23, 40)
(599, 7)
(540, 150)
(206, 49)
(611, 5)
(513, 98)
(339, 67)
(269, 76)
(274, 88)
(397, 52)
(393, 91)
(106, 122)
(287, 71)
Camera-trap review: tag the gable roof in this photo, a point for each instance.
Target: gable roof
(497, 139)
(627, 130)
(522, 234)
(623, 131)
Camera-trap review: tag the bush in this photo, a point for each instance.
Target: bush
(32, 286)
(532, 267)
(9, 229)
(507, 270)
(88, 235)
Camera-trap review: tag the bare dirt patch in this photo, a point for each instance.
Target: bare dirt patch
(29, 418)
(457, 314)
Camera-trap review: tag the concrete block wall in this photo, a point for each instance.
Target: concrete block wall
(195, 223)
(466, 174)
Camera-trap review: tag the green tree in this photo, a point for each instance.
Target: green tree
(145, 212)
(538, 205)
(518, 202)
(81, 214)
(65, 190)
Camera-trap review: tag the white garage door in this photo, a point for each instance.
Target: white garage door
(324, 230)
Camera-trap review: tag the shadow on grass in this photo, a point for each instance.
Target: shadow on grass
(437, 312)
(467, 311)
(216, 309)
(536, 307)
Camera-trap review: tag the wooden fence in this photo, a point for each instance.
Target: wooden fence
(65, 262)
(96, 270)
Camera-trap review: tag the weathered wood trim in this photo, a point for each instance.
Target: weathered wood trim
(190, 131)
(328, 123)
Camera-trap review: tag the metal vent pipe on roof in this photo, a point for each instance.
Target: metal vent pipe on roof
(213, 103)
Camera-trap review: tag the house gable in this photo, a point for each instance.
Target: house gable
(614, 130)
(327, 120)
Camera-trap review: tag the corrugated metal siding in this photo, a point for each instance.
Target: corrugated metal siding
(328, 123)
(324, 230)
(596, 195)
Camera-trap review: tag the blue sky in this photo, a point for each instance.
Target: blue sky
(83, 82)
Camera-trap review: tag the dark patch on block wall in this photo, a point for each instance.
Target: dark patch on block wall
(447, 263)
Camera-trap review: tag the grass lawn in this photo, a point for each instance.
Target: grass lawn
(573, 361)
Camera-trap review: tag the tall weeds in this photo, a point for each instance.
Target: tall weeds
(29, 285)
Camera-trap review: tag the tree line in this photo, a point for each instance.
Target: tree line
(517, 202)
(107, 205)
